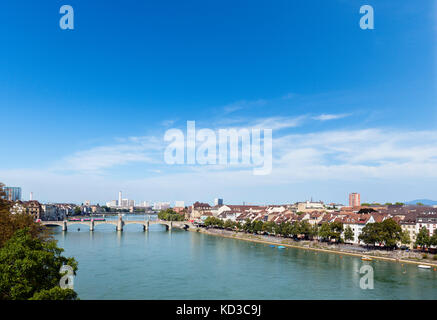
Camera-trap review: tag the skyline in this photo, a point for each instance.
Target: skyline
(86, 110)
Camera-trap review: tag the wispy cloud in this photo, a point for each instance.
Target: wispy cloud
(326, 117)
(128, 150)
(363, 158)
(243, 104)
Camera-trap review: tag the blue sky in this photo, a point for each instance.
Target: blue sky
(84, 111)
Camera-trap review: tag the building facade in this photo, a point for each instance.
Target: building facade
(12, 193)
(354, 199)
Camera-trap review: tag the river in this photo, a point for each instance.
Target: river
(178, 264)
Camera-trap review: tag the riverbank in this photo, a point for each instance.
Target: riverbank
(398, 256)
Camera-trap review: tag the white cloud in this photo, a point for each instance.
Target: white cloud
(326, 117)
(380, 161)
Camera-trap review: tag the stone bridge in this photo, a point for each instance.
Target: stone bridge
(120, 223)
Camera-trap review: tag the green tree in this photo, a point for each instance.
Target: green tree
(336, 230)
(371, 234)
(170, 215)
(325, 231)
(56, 293)
(405, 237)
(11, 223)
(433, 240)
(391, 233)
(423, 239)
(257, 226)
(348, 234)
(214, 222)
(229, 224)
(247, 227)
(77, 211)
(29, 267)
(331, 231)
(269, 227)
(314, 231)
(305, 229)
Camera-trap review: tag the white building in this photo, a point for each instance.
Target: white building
(427, 220)
(161, 205)
(112, 204)
(310, 206)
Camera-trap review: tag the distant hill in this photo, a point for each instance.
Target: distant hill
(426, 202)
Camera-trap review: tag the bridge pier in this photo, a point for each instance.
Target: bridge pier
(120, 223)
(92, 225)
(170, 226)
(64, 225)
(146, 226)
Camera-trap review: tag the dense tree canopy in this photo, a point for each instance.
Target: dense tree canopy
(30, 261)
(423, 239)
(29, 265)
(331, 231)
(348, 234)
(387, 233)
(170, 215)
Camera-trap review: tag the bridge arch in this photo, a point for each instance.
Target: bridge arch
(53, 224)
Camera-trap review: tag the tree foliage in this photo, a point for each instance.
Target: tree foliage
(423, 239)
(29, 259)
(387, 233)
(348, 234)
(29, 267)
(170, 215)
(405, 237)
(10, 223)
(331, 231)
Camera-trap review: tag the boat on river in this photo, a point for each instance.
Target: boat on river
(422, 266)
(365, 258)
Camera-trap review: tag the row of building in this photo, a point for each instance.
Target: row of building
(39, 211)
(410, 218)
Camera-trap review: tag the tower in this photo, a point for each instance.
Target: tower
(354, 199)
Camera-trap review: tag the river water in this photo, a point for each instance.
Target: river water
(178, 264)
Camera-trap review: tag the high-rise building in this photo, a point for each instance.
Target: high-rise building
(12, 193)
(120, 200)
(218, 202)
(354, 199)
